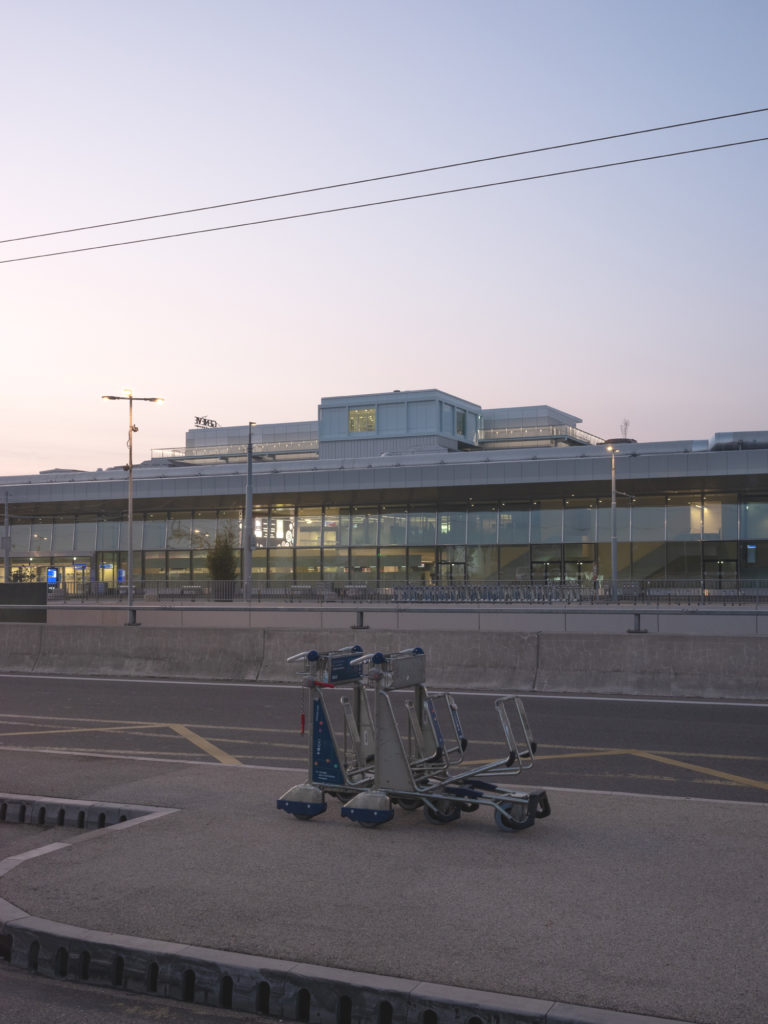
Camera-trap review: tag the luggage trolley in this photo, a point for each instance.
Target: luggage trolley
(421, 771)
(337, 768)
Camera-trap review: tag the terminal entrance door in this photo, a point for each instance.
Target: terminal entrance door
(452, 567)
(720, 573)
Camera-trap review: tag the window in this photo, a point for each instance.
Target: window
(362, 421)
(461, 422)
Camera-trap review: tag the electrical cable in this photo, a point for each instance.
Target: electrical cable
(385, 202)
(384, 177)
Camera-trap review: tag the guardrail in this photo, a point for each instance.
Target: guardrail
(629, 592)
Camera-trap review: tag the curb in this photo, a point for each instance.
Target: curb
(248, 983)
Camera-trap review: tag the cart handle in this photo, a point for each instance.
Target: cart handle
(309, 655)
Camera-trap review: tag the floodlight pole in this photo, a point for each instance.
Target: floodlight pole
(130, 398)
(614, 582)
(248, 525)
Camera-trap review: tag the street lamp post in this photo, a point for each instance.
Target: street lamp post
(130, 398)
(248, 533)
(614, 585)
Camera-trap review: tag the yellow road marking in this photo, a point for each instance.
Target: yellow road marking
(97, 728)
(723, 776)
(209, 748)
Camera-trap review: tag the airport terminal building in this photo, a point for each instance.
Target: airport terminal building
(410, 487)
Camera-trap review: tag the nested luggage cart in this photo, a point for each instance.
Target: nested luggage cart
(405, 753)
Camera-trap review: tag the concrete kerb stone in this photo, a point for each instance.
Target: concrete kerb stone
(295, 991)
(255, 984)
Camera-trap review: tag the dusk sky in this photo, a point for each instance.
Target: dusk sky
(629, 293)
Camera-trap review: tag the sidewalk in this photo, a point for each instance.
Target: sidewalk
(643, 905)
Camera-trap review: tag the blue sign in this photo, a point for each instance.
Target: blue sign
(325, 758)
(53, 576)
(121, 575)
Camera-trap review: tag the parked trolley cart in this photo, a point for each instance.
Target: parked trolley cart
(405, 752)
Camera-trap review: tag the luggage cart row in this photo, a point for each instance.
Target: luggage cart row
(389, 741)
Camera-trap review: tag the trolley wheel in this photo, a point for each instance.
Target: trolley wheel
(304, 817)
(409, 803)
(468, 807)
(513, 817)
(444, 813)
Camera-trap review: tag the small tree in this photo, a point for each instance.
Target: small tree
(223, 562)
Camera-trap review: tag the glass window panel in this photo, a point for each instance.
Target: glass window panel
(482, 526)
(579, 520)
(579, 552)
(230, 524)
(515, 524)
(514, 562)
(336, 528)
(720, 517)
(393, 566)
(308, 564)
(282, 528)
(200, 565)
(20, 533)
(154, 565)
(108, 535)
(363, 564)
(684, 561)
(260, 528)
(309, 527)
(482, 563)
(719, 550)
(649, 519)
(365, 526)
(63, 536)
(362, 421)
(604, 520)
(42, 535)
(421, 565)
(155, 524)
(649, 559)
(203, 530)
(547, 522)
(451, 527)
(85, 533)
(138, 533)
(392, 528)
(422, 524)
(684, 518)
(754, 520)
(179, 565)
(280, 565)
(180, 532)
(259, 565)
(623, 561)
(335, 563)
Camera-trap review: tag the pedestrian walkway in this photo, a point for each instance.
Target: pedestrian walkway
(633, 905)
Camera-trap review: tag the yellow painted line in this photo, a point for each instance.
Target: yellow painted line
(723, 776)
(98, 728)
(203, 744)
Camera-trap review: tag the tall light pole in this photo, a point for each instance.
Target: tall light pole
(248, 533)
(614, 585)
(129, 397)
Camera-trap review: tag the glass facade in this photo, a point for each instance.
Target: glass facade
(714, 537)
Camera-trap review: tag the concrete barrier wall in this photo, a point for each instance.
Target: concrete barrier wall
(629, 664)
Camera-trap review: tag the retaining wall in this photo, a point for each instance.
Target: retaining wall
(652, 664)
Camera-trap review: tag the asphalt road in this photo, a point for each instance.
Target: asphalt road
(710, 749)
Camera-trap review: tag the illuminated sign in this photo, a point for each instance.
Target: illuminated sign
(205, 421)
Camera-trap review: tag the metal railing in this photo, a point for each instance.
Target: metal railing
(629, 592)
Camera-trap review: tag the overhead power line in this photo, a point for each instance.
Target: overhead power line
(386, 202)
(384, 177)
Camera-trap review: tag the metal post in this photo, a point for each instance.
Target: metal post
(248, 525)
(131, 609)
(614, 584)
(129, 397)
(7, 543)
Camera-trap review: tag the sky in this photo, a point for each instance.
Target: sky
(628, 293)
